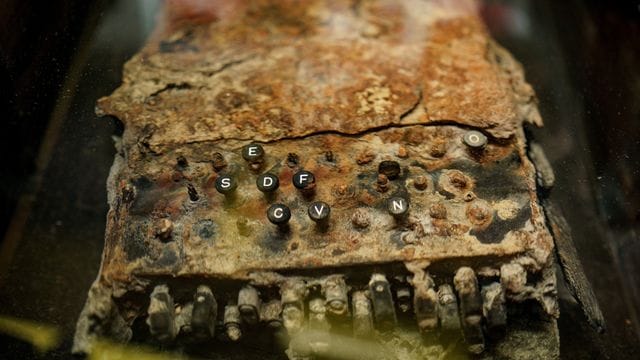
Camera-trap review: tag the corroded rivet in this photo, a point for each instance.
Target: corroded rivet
(218, 162)
(420, 182)
(454, 183)
(479, 213)
(360, 219)
(225, 184)
(438, 211)
(459, 182)
(267, 183)
(365, 157)
(438, 148)
(252, 153)
(382, 183)
(475, 139)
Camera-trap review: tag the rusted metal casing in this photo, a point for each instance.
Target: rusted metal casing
(276, 151)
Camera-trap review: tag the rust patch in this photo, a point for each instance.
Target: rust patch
(272, 78)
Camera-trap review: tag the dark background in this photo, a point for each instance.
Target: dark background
(58, 57)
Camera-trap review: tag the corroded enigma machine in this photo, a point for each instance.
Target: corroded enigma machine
(325, 173)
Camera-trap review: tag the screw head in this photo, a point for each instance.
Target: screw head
(420, 182)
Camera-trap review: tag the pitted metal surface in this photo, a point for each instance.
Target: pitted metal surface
(323, 165)
(270, 70)
(488, 204)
